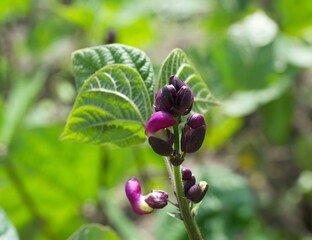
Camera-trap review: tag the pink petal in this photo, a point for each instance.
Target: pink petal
(159, 120)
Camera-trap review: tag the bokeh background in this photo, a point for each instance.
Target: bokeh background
(256, 58)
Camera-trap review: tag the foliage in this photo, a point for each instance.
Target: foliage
(115, 99)
(255, 56)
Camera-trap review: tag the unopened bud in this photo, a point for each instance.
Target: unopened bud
(186, 173)
(164, 100)
(193, 133)
(176, 82)
(157, 199)
(184, 100)
(197, 192)
(188, 184)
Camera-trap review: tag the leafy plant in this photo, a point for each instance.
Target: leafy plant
(114, 106)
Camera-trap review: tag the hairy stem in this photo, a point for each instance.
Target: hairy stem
(189, 222)
(169, 168)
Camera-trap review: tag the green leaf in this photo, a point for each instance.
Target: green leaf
(7, 231)
(178, 64)
(94, 232)
(112, 107)
(89, 60)
(56, 175)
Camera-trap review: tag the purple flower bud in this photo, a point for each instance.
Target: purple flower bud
(162, 142)
(196, 120)
(176, 82)
(133, 192)
(188, 184)
(159, 120)
(186, 173)
(197, 192)
(157, 199)
(164, 100)
(193, 133)
(184, 100)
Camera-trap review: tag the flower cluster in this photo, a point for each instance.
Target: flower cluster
(194, 192)
(156, 199)
(172, 102)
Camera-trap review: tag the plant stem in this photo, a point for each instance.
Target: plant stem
(189, 222)
(169, 168)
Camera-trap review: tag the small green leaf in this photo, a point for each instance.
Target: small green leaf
(7, 231)
(179, 65)
(89, 60)
(112, 107)
(94, 232)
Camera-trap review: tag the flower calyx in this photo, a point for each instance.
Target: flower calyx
(176, 159)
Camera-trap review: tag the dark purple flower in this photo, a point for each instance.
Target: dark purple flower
(162, 142)
(160, 138)
(193, 133)
(144, 204)
(164, 100)
(197, 192)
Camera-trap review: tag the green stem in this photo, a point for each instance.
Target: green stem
(189, 223)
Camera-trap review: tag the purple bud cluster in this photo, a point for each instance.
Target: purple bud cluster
(194, 192)
(172, 102)
(176, 98)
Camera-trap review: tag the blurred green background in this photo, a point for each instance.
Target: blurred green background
(255, 56)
